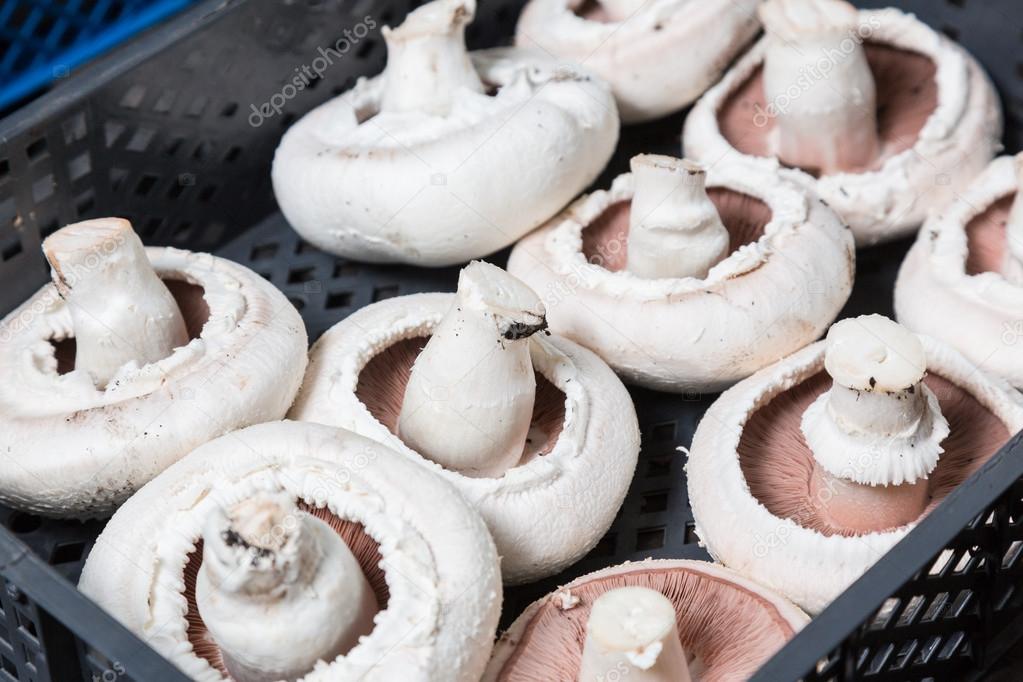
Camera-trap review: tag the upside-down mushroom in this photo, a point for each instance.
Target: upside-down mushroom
(684, 279)
(131, 358)
(297, 551)
(884, 116)
(962, 281)
(658, 56)
(649, 621)
(536, 432)
(447, 155)
(800, 472)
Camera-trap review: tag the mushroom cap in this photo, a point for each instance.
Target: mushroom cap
(749, 471)
(657, 61)
(74, 450)
(874, 353)
(950, 286)
(441, 577)
(789, 272)
(553, 507)
(947, 107)
(429, 190)
(731, 624)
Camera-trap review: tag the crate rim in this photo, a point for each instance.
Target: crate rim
(868, 593)
(60, 598)
(113, 63)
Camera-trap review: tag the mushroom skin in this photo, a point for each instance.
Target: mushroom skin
(441, 569)
(956, 271)
(809, 567)
(1012, 260)
(892, 197)
(279, 590)
(371, 176)
(727, 624)
(75, 450)
(548, 511)
(766, 299)
(657, 56)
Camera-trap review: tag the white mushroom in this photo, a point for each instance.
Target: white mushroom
(683, 281)
(882, 116)
(658, 55)
(286, 551)
(876, 434)
(648, 621)
(552, 466)
(962, 281)
(802, 483)
(130, 359)
(424, 165)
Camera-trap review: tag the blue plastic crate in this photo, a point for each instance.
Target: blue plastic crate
(42, 40)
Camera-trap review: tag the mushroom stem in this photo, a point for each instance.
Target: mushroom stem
(818, 85)
(427, 62)
(674, 227)
(1012, 267)
(279, 590)
(469, 399)
(632, 634)
(121, 311)
(876, 435)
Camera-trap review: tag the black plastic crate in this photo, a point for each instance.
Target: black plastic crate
(163, 132)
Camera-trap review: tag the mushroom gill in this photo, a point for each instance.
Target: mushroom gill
(382, 382)
(605, 240)
(907, 95)
(365, 549)
(986, 237)
(726, 631)
(779, 467)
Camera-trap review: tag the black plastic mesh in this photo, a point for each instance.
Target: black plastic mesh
(161, 134)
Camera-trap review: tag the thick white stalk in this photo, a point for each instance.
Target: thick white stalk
(1012, 267)
(632, 635)
(427, 62)
(877, 433)
(121, 311)
(278, 590)
(469, 400)
(818, 85)
(674, 227)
